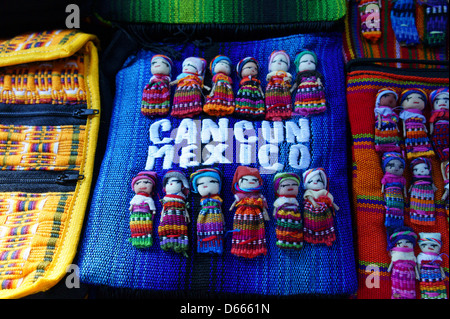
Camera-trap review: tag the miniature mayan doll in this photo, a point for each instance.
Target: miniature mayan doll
(249, 234)
(278, 97)
(210, 222)
(394, 188)
(403, 266)
(220, 101)
(429, 261)
(142, 208)
(436, 27)
(156, 95)
(188, 96)
(287, 211)
(387, 135)
(439, 123)
(319, 208)
(417, 143)
(310, 94)
(250, 97)
(369, 12)
(422, 189)
(173, 226)
(403, 22)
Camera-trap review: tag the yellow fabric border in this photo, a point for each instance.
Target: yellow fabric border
(66, 251)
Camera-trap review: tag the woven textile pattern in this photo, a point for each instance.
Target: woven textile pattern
(41, 147)
(51, 82)
(221, 11)
(106, 256)
(367, 174)
(387, 46)
(48, 82)
(30, 233)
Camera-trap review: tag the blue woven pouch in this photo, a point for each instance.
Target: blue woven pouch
(106, 256)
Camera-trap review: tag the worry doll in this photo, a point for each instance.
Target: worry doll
(439, 123)
(310, 94)
(369, 13)
(249, 235)
(173, 226)
(207, 182)
(429, 261)
(394, 188)
(319, 208)
(278, 96)
(403, 266)
(422, 189)
(188, 96)
(417, 143)
(142, 209)
(287, 211)
(220, 101)
(250, 97)
(387, 134)
(156, 95)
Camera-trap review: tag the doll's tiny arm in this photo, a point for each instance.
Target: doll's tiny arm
(212, 90)
(434, 188)
(234, 203)
(379, 121)
(274, 211)
(319, 81)
(442, 273)
(416, 270)
(409, 190)
(173, 82)
(260, 90)
(405, 191)
(445, 195)
(269, 75)
(382, 188)
(336, 207)
(265, 214)
(294, 87)
(288, 78)
(431, 128)
(404, 129)
(390, 267)
(311, 199)
(186, 215)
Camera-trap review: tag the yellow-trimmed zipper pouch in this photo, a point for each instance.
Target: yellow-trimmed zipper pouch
(49, 123)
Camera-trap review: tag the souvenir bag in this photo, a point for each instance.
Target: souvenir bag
(201, 145)
(49, 122)
(423, 208)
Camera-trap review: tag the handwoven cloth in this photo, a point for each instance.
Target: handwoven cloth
(106, 256)
(387, 46)
(221, 11)
(374, 282)
(44, 74)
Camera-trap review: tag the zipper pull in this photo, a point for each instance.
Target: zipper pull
(69, 177)
(83, 113)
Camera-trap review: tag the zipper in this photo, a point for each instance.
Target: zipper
(77, 113)
(39, 181)
(45, 114)
(365, 64)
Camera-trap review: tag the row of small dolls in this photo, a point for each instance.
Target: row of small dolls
(250, 102)
(403, 22)
(405, 268)
(251, 210)
(422, 190)
(417, 140)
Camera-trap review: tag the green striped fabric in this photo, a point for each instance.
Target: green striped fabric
(221, 11)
